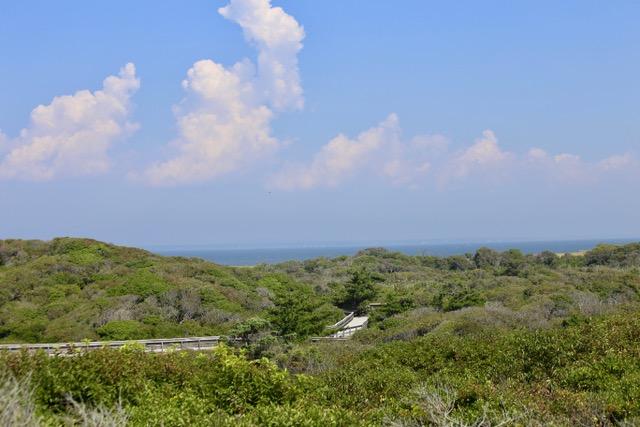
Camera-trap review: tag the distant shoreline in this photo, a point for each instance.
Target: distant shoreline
(247, 257)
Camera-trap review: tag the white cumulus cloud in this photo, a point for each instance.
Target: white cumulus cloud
(225, 119)
(378, 151)
(426, 160)
(72, 135)
(483, 156)
(563, 167)
(278, 37)
(340, 158)
(618, 162)
(571, 168)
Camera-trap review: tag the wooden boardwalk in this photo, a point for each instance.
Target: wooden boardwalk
(153, 345)
(355, 324)
(345, 328)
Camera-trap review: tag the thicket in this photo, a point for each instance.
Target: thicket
(516, 289)
(76, 289)
(490, 338)
(586, 372)
(172, 389)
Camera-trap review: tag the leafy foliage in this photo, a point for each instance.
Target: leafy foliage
(359, 288)
(478, 339)
(75, 289)
(122, 330)
(298, 313)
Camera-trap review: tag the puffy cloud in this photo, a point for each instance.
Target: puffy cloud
(563, 167)
(220, 131)
(571, 168)
(225, 119)
(340, 158)
(483, 156)
(426, 159)
(537, 154)
(380, 151)
(72, 135)
(620, 162)
(278, 37)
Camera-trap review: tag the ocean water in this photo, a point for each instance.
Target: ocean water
(244, 257)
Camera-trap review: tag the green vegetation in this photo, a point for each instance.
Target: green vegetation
(479, 339)
(358, 290)
(75, 289)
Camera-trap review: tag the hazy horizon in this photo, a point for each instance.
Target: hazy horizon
(375, 243)
(268, 245)
(244, 256)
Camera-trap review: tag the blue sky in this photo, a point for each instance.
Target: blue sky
(350, 121)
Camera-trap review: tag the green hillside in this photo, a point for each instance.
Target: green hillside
(74, 289)
(483, 339)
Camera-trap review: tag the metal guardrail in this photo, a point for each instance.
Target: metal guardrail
(152, 345)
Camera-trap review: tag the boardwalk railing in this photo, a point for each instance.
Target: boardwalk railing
(354, 325)
(343, 322)
(347, 327)
(347, 332)
(152, 345)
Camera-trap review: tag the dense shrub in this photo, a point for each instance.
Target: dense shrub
(74, 289)
(360, 287)
(454, 296)
(465, 340)
(123, 330)
(562, 374)
(614, 255)
(181, 388)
